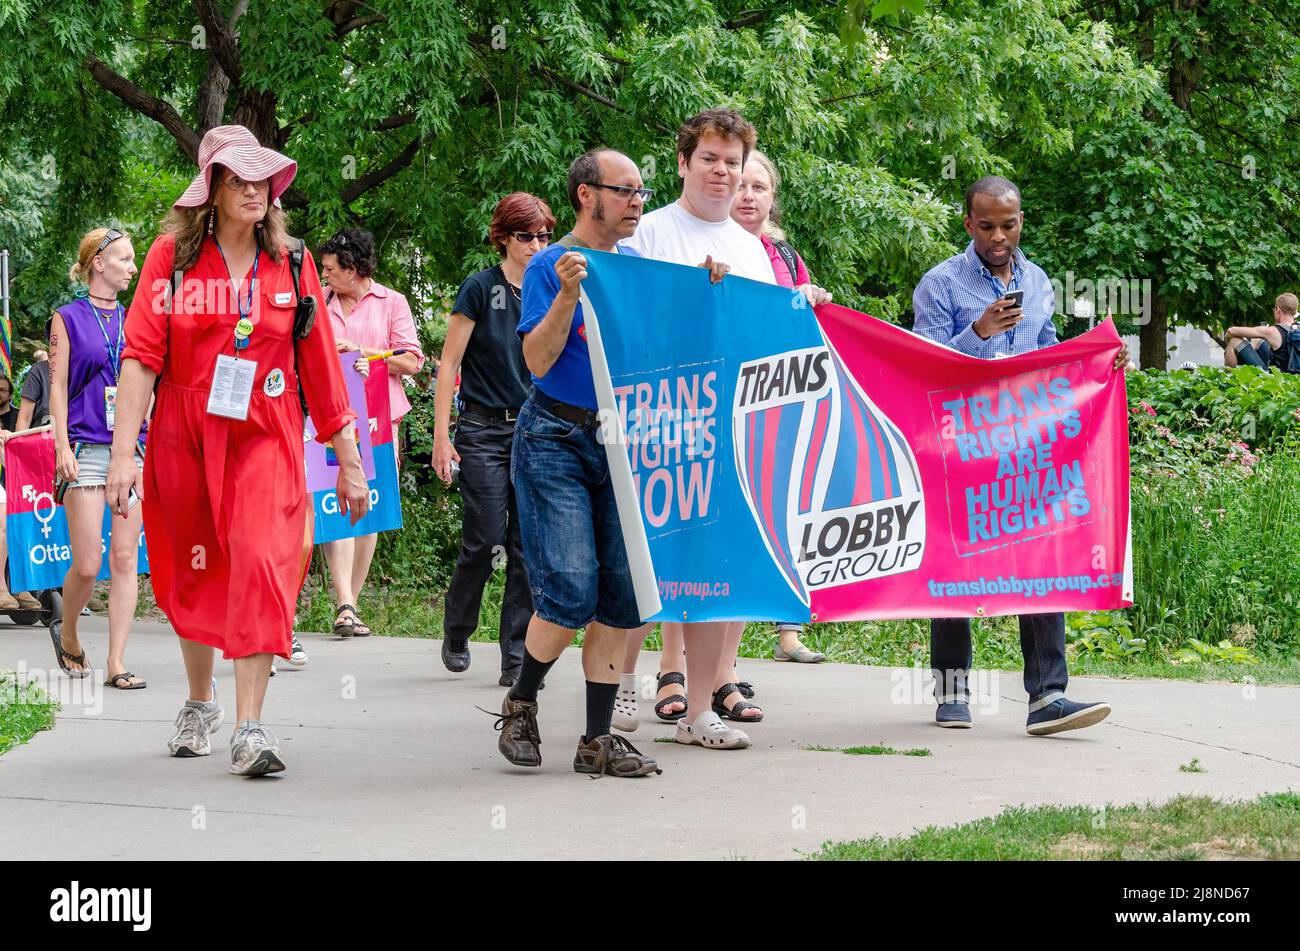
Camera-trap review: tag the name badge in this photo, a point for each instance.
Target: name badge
(232, 387)
(285, 298)
(110, 406)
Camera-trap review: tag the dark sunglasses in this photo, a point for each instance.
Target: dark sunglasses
(112, 235)
(625, 191)
(524, 237)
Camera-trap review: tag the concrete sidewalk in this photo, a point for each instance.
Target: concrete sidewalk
(388, 758)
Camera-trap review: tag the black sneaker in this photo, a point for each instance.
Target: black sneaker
(509, 677)
(1065, 714)
(455, 659)
(612, 755)
(520, 741)
(953, 715)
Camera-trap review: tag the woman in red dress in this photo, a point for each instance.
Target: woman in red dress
(226, 519)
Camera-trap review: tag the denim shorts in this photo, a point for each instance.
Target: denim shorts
(568, 520)
(92, 465)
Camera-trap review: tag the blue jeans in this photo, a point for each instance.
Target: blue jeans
(568, 520)
(1042, 641)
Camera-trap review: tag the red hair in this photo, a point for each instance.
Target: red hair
(518, 211)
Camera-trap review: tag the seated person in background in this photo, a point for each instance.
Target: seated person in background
(1267, 346)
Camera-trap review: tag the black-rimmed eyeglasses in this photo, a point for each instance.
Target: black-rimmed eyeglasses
(527, 237)
(625, 191)
(112, 235)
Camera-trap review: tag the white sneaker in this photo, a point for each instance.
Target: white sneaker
(709, 731)
(626, 715)
(194, 725)
(254, 750)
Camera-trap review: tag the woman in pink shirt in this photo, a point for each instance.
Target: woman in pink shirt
(755, 208)
(370, 319)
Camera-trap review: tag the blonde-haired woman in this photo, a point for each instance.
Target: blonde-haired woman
(87, 337)
(755, 209)
(224, 486)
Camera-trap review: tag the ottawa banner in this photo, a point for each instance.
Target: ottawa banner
(772, 463)
(35, 524)
(37, 528)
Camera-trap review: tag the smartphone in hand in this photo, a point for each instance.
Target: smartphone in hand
(1017, 297)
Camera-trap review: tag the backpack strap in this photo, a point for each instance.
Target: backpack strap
(790, 258)
(303, 317)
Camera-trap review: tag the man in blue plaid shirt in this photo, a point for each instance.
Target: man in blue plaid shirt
(963, 303)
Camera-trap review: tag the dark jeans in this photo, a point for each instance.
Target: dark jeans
(1042, 641)
(1261, 356)
(489, 530)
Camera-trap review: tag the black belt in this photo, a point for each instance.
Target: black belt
(489, 412)
(586, 418)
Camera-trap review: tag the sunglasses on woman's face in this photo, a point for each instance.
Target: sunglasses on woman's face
(527, 237)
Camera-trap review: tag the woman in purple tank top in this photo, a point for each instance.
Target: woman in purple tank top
(87, 337)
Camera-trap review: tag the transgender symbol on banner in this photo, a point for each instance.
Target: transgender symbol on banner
(855, 475)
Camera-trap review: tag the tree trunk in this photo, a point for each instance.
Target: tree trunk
(1184, 71)
(1153, 352)
(213, 92)
(256, 112)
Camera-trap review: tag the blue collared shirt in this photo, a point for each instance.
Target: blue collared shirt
(952, 296)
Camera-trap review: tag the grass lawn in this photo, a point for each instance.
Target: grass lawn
(1186, 828)
(410, 613)
(24, 711)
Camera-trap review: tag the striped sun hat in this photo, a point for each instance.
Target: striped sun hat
(238, 150)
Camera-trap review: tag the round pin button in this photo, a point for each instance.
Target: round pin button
(244, 328)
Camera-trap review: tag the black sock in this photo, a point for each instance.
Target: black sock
(600, 709)
(531, 673)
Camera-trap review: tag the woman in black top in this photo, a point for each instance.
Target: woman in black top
(483, 348)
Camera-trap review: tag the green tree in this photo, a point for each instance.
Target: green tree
(1199, 191)
(412, 119)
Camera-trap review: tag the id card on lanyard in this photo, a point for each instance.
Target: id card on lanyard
(114, 363)
(232, 387)
(232, 377)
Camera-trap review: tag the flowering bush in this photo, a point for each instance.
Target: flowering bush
(1252, 406)
(1198, 449)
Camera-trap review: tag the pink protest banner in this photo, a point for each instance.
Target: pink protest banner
(779, 465)
(1017, 468)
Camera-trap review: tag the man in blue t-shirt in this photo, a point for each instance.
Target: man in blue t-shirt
(572, 540)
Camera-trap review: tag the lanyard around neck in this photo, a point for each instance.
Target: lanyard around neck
(114, 357)
(244, 311)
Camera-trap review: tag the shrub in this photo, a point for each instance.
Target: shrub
(1249, 405)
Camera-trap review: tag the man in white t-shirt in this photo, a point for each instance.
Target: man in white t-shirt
(711, 152)
(698, 229)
